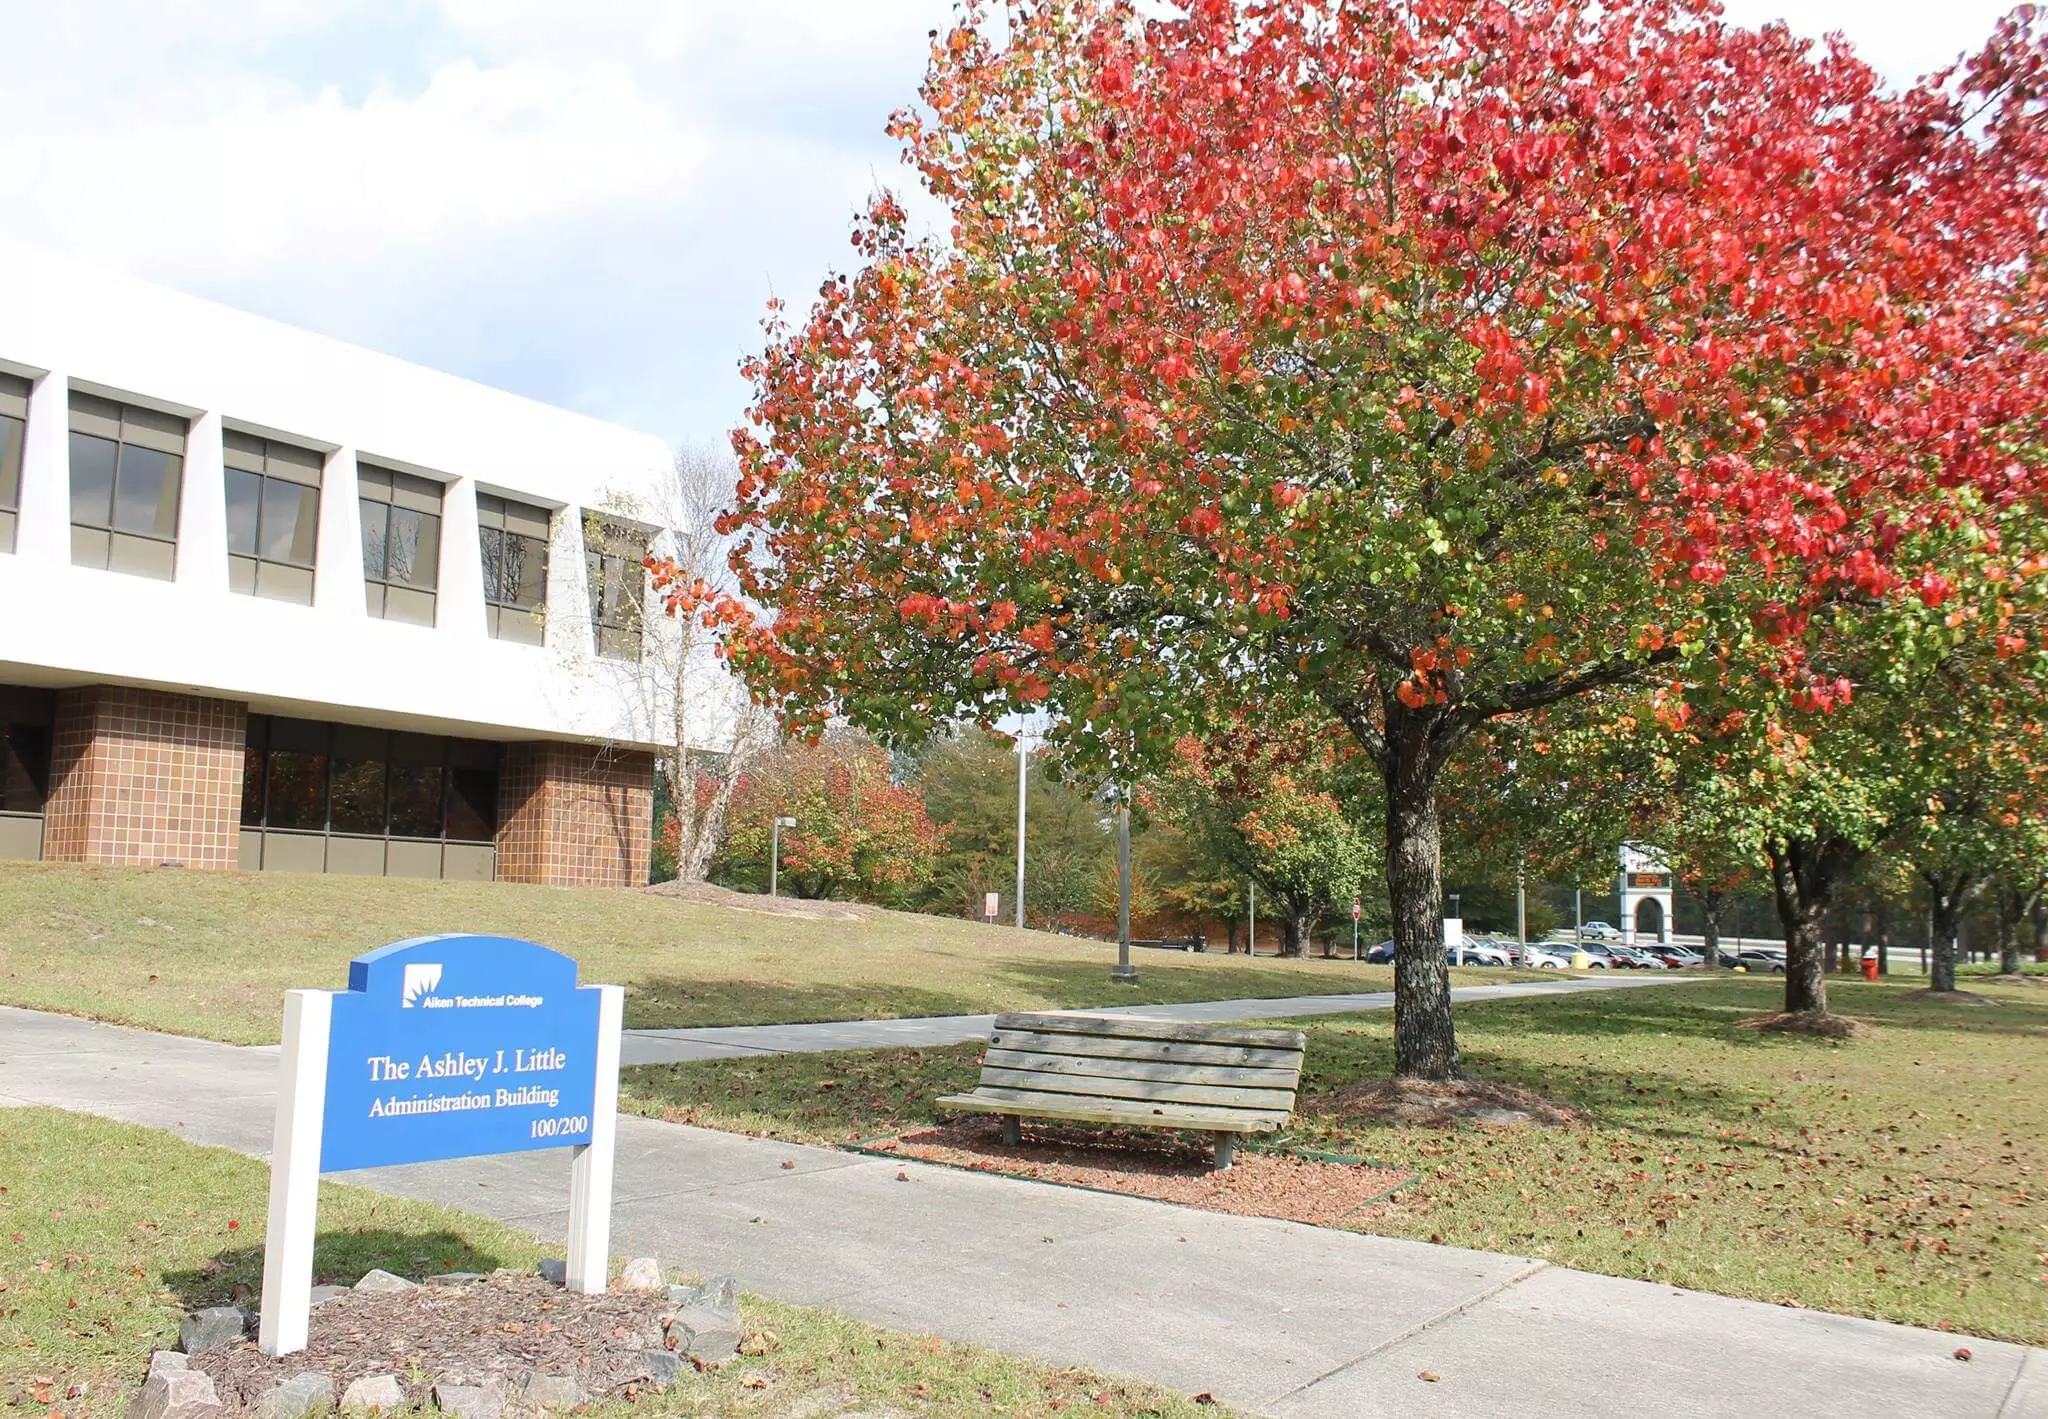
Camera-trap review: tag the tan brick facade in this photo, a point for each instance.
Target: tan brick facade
(575, 815)
(145, 777)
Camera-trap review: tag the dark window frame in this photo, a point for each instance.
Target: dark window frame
(614, 557)
(147, 436)
(504, 524)
(394, 493)
(290, 469)
(14, 395)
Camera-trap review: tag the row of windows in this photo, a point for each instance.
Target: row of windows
(305, 776)
(127, 467)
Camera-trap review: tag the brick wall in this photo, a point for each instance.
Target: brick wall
(144, 776)
(575, 815)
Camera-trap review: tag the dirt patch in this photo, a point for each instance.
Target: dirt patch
(1163, 1166)
(1950, 997)
(496, 1331)
(1812, 1024)
(768, 906)
(2039, 982)
(1409, 1103)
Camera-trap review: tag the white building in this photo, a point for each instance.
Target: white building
(272, 601)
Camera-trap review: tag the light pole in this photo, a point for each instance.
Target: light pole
(1521, 911)
(775, 852)
(1124, 972)
(1023, 767)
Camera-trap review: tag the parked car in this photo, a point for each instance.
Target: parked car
(1382, 954)
(1762, 961)
(1635, 957)
(1603, 930)
(1481, 953)
(1679, 957)
(1546, 956)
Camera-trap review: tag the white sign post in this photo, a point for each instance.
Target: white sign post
(442, 1047)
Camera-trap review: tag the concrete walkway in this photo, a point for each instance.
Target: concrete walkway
(1283, 1320)
(925, 1032)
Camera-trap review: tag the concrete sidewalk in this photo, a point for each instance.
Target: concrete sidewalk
(925, 1032)
(1283, 1320)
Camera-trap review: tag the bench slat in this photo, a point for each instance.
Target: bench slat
(1081, 1110)
(1165, 1071)
(1220, 1096)
(1164, 1051)
(1133, 1027)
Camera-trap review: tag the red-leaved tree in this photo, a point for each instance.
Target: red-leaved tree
(1428, 361)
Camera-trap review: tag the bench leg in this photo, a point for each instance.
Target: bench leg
(1013, 1130)
(1226, 1151)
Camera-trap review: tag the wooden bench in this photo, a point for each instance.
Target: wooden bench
(1216, 1079)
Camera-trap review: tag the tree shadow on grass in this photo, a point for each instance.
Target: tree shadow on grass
(234, 1276)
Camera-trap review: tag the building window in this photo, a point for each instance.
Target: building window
(515, 551)
(127, 465)
(614, 555)
(13, 431)
(401, 544)
(341, 798)
(273, 492)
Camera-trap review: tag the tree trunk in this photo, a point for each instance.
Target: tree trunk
(1804, 875)
(1710, 938)
(1425, 1038)
(2040, 915)
(1293, 936)
(1946, 893)
(2012, 910)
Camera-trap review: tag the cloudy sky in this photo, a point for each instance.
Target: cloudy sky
(587, 202)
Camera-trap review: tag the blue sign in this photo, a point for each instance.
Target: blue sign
(453, 1046)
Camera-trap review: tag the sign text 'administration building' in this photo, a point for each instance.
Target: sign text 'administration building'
(274, 602)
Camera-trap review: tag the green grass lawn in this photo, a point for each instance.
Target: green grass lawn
(109, 1233)
(212, 953)
(1902, 1176)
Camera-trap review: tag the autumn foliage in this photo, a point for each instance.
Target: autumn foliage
(1427, 362)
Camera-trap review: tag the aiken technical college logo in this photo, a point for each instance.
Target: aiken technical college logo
(421, 979)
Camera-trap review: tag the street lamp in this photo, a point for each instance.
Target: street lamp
(1023, 768)
(1124, 972)
(775, 852)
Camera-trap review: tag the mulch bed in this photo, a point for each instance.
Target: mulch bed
(1164, 1166)
(1814, 1024)
(1951, 997)
(502, 1328)
(1457, 1103)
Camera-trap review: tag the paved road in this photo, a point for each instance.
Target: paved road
(922, 1032)
(1282, 1320)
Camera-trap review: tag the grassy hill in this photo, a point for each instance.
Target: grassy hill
(211, 953)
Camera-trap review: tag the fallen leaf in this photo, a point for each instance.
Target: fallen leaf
(1963, 1354)
(1431, 1375)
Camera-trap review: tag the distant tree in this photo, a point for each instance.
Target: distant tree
(968, 782)
(859, 835)
(1274, 804)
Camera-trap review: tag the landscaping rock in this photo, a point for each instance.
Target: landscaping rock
(215, 1325)
(373, 1392)
(165, 1362)
(663, 1368)
(454, 1278)
(381, 1281)
(175, 1394)
(703, 1335)
(642, 1273)
(323, 1294)
(720, 1294)
(296, 1397)
(551, 1392)
(553, 1269)
(469, 1402)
